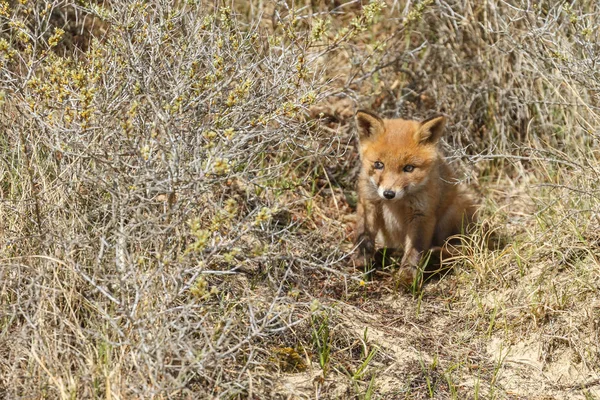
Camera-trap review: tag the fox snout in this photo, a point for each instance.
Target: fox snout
(389, 194)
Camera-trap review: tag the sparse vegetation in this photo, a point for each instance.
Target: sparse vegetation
(177, 194)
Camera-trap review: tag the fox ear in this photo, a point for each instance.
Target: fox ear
(431, 130)
(369, 124)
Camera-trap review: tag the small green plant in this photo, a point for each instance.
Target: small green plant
(288, 359)
(360, 371)
(358, 375)
(321, 339)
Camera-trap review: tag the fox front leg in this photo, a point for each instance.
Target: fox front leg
(418, 240)
(366, 220)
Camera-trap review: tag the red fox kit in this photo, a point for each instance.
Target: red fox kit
(408, 196)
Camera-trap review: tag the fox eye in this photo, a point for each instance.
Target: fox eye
(409, 168)
(378, 165)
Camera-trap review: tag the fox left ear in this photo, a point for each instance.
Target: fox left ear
(369, 124)
(431, 130)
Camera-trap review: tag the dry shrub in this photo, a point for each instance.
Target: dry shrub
(140, 178)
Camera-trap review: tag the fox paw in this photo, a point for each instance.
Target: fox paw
(359, 261)
(366, 245)
(407, 276)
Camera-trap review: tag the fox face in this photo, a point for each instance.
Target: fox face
(397, 156)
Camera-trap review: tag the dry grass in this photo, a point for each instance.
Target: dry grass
(177, 190)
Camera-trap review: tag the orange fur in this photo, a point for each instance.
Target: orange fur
(408, 195)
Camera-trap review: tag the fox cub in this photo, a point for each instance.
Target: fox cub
(408, 196)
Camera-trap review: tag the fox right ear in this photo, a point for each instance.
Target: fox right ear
(369, 124)
(431, 129)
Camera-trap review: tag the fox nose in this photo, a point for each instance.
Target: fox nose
(389, 194)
